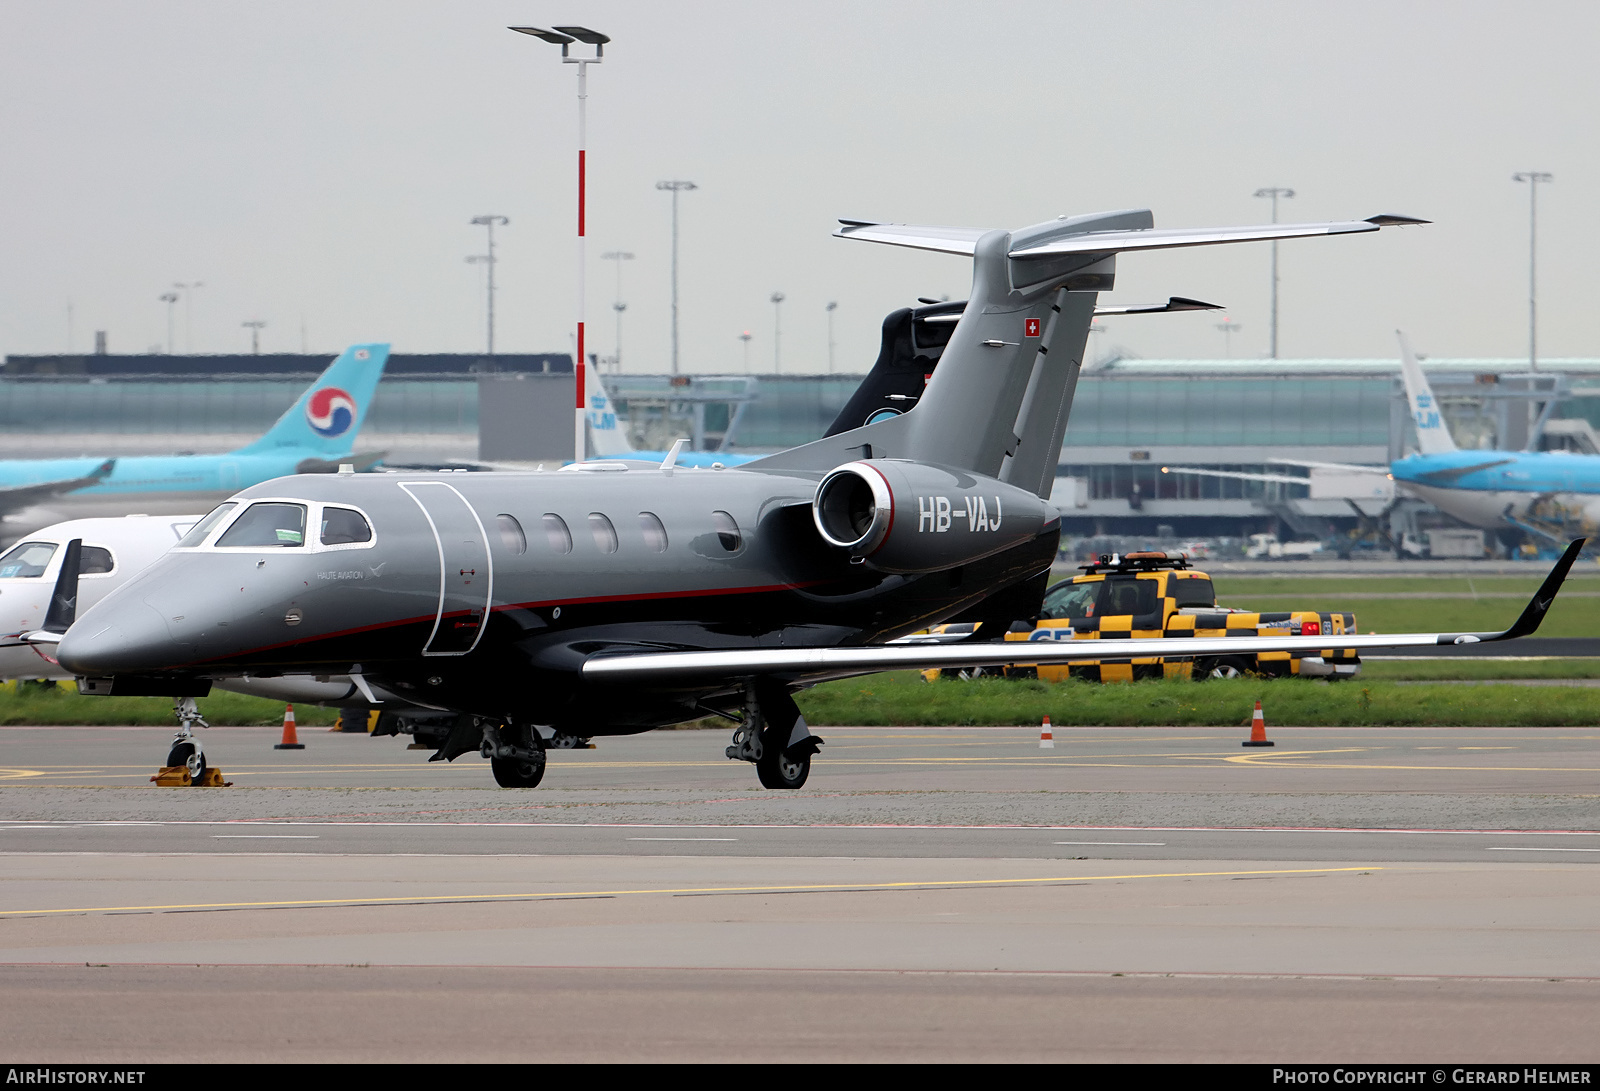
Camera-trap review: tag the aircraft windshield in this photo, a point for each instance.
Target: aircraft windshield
(206, 525)
(268, 526)
(342, 526)
(26, 560)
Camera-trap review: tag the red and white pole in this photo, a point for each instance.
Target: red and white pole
(580, 446)
(565, 37)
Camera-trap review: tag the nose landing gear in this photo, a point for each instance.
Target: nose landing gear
(186, 761)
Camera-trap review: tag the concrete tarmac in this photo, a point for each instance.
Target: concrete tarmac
(1131, 894)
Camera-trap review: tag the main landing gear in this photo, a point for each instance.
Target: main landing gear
(773, 737)
(515, 753)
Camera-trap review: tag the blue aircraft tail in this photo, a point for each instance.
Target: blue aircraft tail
(328, 416)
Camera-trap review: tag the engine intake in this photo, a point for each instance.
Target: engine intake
(912, 517)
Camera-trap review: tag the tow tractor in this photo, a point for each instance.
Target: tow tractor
(1157, 594)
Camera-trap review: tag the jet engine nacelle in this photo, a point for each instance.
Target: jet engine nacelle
(908, 517)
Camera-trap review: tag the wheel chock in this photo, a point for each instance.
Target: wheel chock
(213, 779)
(173, 776)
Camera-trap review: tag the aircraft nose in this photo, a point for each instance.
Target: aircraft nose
(133, 638)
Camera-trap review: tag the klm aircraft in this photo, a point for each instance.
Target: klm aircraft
(1488, 489)
(609, 439)
(315, 434)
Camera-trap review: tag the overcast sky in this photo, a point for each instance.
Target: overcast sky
(317, 163)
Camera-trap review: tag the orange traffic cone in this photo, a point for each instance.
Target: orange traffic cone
(290, 741)
(1258, 730)
(1047, 741)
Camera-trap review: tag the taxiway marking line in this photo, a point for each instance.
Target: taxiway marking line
(1151, 844)
(925, 884)
(259, 823)
(683, 839)
(266, 836)
(1531, 848)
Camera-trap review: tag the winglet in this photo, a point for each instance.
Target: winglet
(671, 460)
(1537, 607)
(1386, 220)
(64, 601)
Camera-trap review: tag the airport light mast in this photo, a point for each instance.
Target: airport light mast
(777, 331)
(188, 312)
(489, 260)
(564, 37)
(832, 306)
(1274, 192)
(675, 187)
(170, 299)
(1533, 178)
(255, 327)
(618, 256)
(1228, 327)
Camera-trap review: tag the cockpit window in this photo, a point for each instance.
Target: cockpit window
(342, 526)
(95, 561)
(267, 526)
(205, 526)
(29, 559)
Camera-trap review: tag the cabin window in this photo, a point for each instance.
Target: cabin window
(27, 560)
(605, 535)
(267, 526)
(342, 526)
(727, 531)
(655, 534)
(205, 526)
(95, 561)
(555, 530)
(511, 535)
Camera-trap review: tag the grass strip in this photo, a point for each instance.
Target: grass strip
(47, 704)
(903, 699)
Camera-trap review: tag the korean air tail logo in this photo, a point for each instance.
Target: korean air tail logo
(330, 411)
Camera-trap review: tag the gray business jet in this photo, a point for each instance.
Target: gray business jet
(609, 598)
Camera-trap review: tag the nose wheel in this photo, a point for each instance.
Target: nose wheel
(186, 759)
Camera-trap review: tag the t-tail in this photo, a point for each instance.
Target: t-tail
(998, 402)
(328, 416)
(1433, 435)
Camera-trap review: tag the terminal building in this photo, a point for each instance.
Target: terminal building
(1130, 419)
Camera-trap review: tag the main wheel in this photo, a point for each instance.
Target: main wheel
(190, 755)
(1230, 666)
(776, 771)
(516, 773)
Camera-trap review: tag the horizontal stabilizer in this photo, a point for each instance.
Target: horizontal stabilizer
(1116, 242)
(944, 240)
(1175, 303)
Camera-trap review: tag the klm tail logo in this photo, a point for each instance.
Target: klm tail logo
(1425, 414)
(601, 417)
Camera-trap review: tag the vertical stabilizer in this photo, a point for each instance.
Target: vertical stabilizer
(1433, 435)
(607, 436)
(998, 402)
(328, 416)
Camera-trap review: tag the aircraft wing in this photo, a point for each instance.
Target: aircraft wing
(817, 663)
(1347, 467)
(1237, 475)
(25, 496)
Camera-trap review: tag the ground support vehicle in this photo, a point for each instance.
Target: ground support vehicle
(1155, 594)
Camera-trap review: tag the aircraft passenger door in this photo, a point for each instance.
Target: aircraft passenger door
(466, 578)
